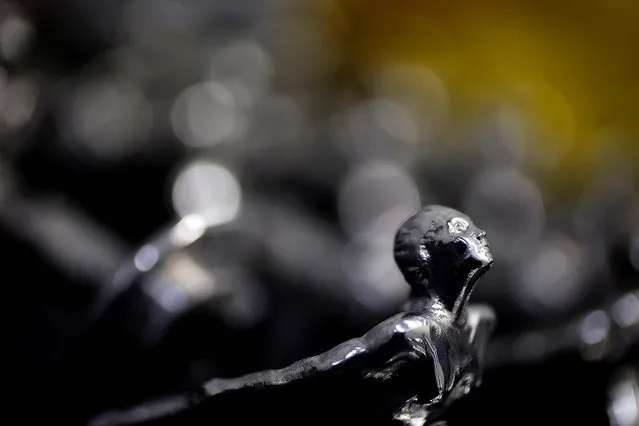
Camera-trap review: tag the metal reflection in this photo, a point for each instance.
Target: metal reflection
(207, 189)
(436, 334)
(623, 394)
(207, 200)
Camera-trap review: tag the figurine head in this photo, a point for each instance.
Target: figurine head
(442, 254)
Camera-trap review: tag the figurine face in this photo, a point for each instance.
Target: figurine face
(462, 258)
(458, 244)
(470, 239)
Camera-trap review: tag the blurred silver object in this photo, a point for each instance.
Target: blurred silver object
(209, 189)
(553, 276)
(16, 32)
(180, 269)
(106, 116)
(607, 333)
(623, 394)
(61, 232)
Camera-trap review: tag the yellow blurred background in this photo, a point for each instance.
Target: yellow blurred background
(571, 69)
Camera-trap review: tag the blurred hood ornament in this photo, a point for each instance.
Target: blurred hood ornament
(408, 369)
(604, 334)
(623, 397)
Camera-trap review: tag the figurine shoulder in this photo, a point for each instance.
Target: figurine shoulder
(388, 333)
(416, 331)
(401, 324)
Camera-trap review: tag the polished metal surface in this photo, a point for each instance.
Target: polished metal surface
(410, 367)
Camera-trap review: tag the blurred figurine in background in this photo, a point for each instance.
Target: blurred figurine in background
(407, 369)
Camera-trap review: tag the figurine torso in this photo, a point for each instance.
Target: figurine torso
(412, 355)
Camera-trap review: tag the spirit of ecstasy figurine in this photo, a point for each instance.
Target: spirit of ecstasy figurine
(406, 370)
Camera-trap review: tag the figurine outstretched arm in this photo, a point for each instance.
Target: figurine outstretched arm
(348, 351)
